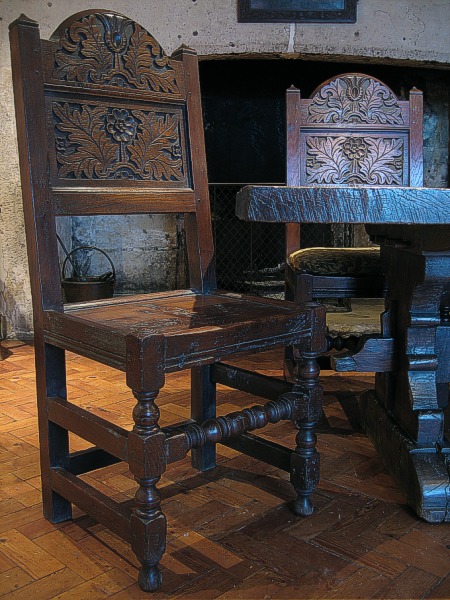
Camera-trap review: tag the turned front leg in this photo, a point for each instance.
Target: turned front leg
(147, 463)
(147, 456)
(305, 460)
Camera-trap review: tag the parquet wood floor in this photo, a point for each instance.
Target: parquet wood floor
(231, 534)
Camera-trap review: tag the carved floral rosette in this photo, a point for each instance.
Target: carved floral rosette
(355, 99)
(108, 49)
(109, 142)
(354, 159)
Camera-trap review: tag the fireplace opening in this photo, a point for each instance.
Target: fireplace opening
(244, 121)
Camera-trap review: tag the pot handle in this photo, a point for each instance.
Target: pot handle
(63, 270)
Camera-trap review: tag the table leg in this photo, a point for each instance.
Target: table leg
(404, 415)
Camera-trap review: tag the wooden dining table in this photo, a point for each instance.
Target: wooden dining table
(404, 414)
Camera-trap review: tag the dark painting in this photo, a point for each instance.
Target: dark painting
(312, 11)
(297, 4)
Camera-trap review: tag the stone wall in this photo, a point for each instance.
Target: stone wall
(409, 32)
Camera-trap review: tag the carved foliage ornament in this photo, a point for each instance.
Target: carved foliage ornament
(107, 49)
(355, 99)
(97, 142)
(354, 159)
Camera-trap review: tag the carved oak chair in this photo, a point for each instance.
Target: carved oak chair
(109, 124)
(352, 130)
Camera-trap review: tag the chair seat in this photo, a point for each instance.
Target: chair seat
(338, 262)
(197, 329)
(364, 318)
(110, 125)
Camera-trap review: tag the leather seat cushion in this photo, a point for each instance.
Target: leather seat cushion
(337, 261)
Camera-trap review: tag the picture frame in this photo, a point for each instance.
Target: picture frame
(297, 11)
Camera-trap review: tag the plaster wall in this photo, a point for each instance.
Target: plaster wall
(410, 32)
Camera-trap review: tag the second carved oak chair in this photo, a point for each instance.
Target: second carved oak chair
(353, 130)
(108, 124)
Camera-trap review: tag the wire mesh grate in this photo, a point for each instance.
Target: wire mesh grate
(250, 256)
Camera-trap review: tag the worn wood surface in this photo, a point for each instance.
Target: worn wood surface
(412, 356)
(373, 205)
(417, 284)
(371, 354)
(197, 329)
(293, 178)
(231, 533)
(421, 474)
(109, 124)
(352, 131)
(412, 225)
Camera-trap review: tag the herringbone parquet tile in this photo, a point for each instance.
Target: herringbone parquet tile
(230, 531)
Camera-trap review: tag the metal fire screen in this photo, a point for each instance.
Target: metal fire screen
(250, 256)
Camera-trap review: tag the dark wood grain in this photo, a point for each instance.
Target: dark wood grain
(41, 247)
(127, 201)
(94, 429)
(203, 407)
(98, 330)
(102, 508)
(343, 204)
(412, 225)
(405, 416)
(371, 354)
(293, 107)
(421, 475)
(108, 124)
(416, 138)
(199, 236)
(230, 531)
(247, 381)
(406, 420)
(353, 131)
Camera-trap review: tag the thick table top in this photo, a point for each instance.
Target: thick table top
(368, 205)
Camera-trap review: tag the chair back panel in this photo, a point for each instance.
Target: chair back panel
(116, 113)
(353, 130)
(122, 131)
